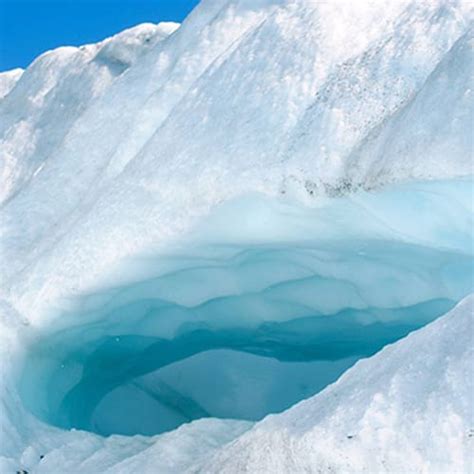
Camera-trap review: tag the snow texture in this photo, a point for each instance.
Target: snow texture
(8, 80)
(257, 161)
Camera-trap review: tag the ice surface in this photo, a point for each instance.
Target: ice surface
(153, 144)
(52, 94)
(419, 385)
(411, 413)
(313, 289)
(274, 189)
(8, 80)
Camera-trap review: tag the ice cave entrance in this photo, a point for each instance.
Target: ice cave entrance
(264, 306)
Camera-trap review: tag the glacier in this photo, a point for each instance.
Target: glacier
(270, 279)
(204, 224)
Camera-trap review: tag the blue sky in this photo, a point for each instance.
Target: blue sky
(30, 27)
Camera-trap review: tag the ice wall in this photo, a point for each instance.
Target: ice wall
(407, 408)
(274, 299)
(112, 150)
(212, 112)
(349, 424)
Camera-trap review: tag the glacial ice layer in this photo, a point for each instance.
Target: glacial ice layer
(264, 304)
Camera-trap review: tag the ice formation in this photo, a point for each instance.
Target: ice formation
(8, 80)
(413, 399)
(206, 223)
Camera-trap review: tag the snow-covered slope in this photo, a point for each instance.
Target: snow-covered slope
(38, 112)
(440, 118)
(272, 153)
(8, 79)
(214, 112)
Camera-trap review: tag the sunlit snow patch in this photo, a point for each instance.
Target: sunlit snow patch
(264, 304)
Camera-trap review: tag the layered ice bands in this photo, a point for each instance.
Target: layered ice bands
(217, 219)
(102, 160)
(263, 305)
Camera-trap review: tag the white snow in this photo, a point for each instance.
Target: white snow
(209, 114)
(335, 138)
(55, 90)
(8, 80)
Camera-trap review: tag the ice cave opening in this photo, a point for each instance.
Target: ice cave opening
(264, 305)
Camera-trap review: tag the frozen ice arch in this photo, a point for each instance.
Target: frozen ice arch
(262, 306)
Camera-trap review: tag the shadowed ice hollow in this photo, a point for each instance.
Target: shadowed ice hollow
(264, 304)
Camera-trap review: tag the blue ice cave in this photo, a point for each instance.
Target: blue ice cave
(264, 304)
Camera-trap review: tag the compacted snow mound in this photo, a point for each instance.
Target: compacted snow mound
(407, 409)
